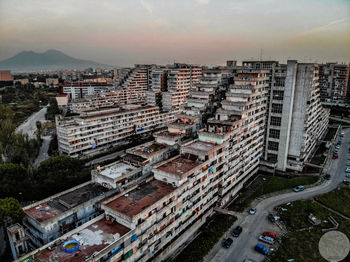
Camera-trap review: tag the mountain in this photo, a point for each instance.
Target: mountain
(29, 61)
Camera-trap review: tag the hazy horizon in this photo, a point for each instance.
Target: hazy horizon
(124, 33)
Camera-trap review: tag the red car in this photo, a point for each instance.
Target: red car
(335, 156)
(269, 234)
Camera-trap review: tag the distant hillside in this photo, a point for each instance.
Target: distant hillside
(29, 61)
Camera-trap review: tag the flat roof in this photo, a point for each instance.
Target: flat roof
(148, 149)
(140, 198)
(64, 202)
(201, 146)
(91, 239)
(117, 169)
(168, 134)
(178, 166)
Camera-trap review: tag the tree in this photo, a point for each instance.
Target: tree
(52, 110)
(10, 209)
(13, 180)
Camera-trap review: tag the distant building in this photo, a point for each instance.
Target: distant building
(334, 81)
(82, 89)
(6, 78)
(52, 81)
(62, 100)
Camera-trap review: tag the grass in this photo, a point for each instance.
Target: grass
(269, 185)
(336, 200)
(303, 245)
(209, 236)
(330, 134)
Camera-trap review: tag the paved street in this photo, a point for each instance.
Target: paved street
(29, 125)
(254, 225)
(43, 150)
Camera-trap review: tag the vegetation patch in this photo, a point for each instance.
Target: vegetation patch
(268, 184)
(209, 236)
(337, 199)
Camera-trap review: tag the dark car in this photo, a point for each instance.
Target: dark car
(327, 176)
(237, 231)
(261, 249)
(227, 243)
(346, 182)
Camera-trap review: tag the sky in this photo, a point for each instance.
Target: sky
(125, 32)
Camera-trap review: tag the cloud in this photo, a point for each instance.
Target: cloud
(321, 28)
(202, 2)
(147, 6)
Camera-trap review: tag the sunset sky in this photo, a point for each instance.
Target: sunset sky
(125, 32)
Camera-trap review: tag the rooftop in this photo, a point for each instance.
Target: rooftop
(178, 166)
(117, 169)
(64, 202)
(168, 134)
(91, 239)
(147, 150)
(140, 198)
(201, 146)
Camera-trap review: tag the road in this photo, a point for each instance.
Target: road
(29, 125)
(43, 155)
(104, 158)
(254, 225)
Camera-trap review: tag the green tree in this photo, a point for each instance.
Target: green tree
(52, 110)
(10, 209)
(14, 180)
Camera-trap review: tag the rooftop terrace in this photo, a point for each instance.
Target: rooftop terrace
(62, 203)
(117, 169)
(147, 150)
(140, 198)
(178, 166)
(201, 146)
(91, 239)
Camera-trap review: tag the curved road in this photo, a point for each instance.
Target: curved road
(29, 125)
(254, 225)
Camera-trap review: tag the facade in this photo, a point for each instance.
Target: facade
(333, 81)
(96, 130)
(180, 79)
(62, 100)
(296, 120)
(6, 78)
(81, 89)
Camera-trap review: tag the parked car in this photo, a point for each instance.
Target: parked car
(266, 239)
(347, 169)
(270, 234)
(227, 242)
(252, 211)
(327, 176)
(336, 151)
(298, 188)
(337, 146)
(347, 175)
(261, 249)
(339, 142)
(273, 218)
(335, 156)
(237, 231)
(348, 163)
(346, 182)
(342, 133)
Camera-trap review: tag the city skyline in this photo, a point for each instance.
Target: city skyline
(198, 31)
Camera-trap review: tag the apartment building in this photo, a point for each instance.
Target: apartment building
(104, 98)
(180, 79)
(296, 120)
(97, 130)
(150, 220)
(157, 84)
(53, 217)
(78, 90)
(333, 81)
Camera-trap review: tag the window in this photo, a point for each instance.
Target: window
(277, 95)
(272, 158)
(276, 108)
(273, 145)
(275, 121)
(279, 81)
(274, 133)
